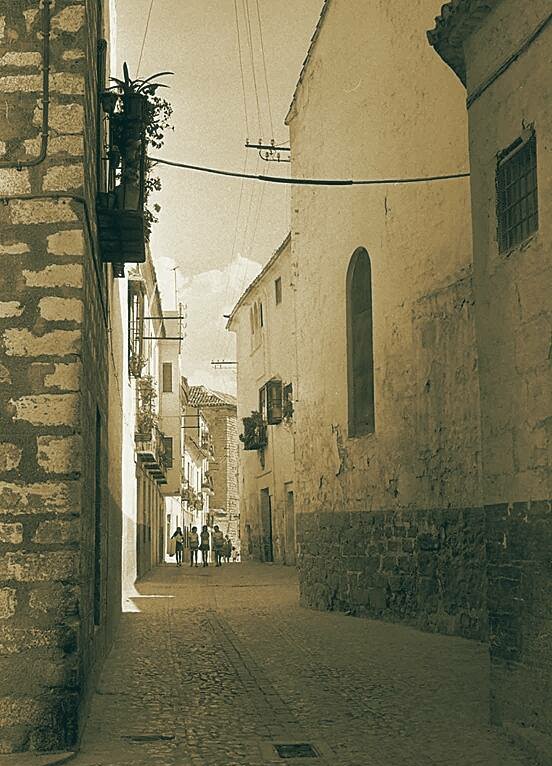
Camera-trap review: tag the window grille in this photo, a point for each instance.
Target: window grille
(517, 194)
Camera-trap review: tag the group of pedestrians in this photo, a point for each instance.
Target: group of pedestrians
(203, 542)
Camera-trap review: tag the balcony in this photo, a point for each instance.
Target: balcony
(255, 434)
(193, 498)
(150, 451)
(207, 485)
(206, 443)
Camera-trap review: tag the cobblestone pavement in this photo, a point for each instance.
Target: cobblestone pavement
(219, 664)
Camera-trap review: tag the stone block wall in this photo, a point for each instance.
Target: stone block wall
(425, 568)
(223, 428)
(56, 512)
(519, 545)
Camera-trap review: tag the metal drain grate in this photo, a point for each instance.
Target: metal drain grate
(148, 737)
(299, 750)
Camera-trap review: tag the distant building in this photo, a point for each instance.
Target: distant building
(154, 366)
(170, 419)
(197, 486)
(264, 323)
(502, 53)
(220, 411)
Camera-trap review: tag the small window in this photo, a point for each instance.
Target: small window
(278, 290)
(168, 446)
(517, 197)
(261, 316)
(360, 356)
(167, 378)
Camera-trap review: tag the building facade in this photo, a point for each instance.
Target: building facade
(197, 486)
(62, 346)
(220, 412)
(388, 456)
(156, 424)
(264, 320)
(170, 421)
(502, 56)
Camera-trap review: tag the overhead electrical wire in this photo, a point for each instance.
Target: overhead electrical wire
(245, 251)
(264, 69)
(144, 38)
(236, 13)
(290, 181)
(252, 57)
(221, 337)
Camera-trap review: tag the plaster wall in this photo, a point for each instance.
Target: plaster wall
(271, 353)
(170, 406)
(514, 333)
(387, 109)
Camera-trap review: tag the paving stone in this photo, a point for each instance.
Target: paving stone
(220, 664)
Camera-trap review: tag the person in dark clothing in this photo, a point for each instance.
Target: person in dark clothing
(194, 546)
(179, 538)
(204, 545)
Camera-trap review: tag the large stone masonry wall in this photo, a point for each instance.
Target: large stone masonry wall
(224, 468)
(520, 572)
(53, 381)
(425, 568)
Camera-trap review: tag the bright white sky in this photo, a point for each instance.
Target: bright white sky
(217, 253)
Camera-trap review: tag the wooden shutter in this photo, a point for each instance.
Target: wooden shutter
(274, 402)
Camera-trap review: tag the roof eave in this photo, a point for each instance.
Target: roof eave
(292, 111)
(256, 281)
(458, 19)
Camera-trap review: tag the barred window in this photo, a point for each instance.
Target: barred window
(517, 197)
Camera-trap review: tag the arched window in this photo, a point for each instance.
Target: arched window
(360, 351)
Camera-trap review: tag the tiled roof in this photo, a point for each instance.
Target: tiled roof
(258, 278)
(314, 38)
(200, 396)
(458, 19)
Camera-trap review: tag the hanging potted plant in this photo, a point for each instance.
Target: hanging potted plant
(138, 118)
(254, 435)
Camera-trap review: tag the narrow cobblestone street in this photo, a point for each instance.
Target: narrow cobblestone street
(217, 665)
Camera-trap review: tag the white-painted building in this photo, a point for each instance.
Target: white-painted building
(264, 323)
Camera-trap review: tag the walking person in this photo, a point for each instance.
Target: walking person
(204, 545)
(218, 545)
(227, 549)
(194, 546)
(179, 540)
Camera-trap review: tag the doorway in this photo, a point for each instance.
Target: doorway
(290, 525)
(267, 552)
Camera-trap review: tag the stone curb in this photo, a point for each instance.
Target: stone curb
(28, 759)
